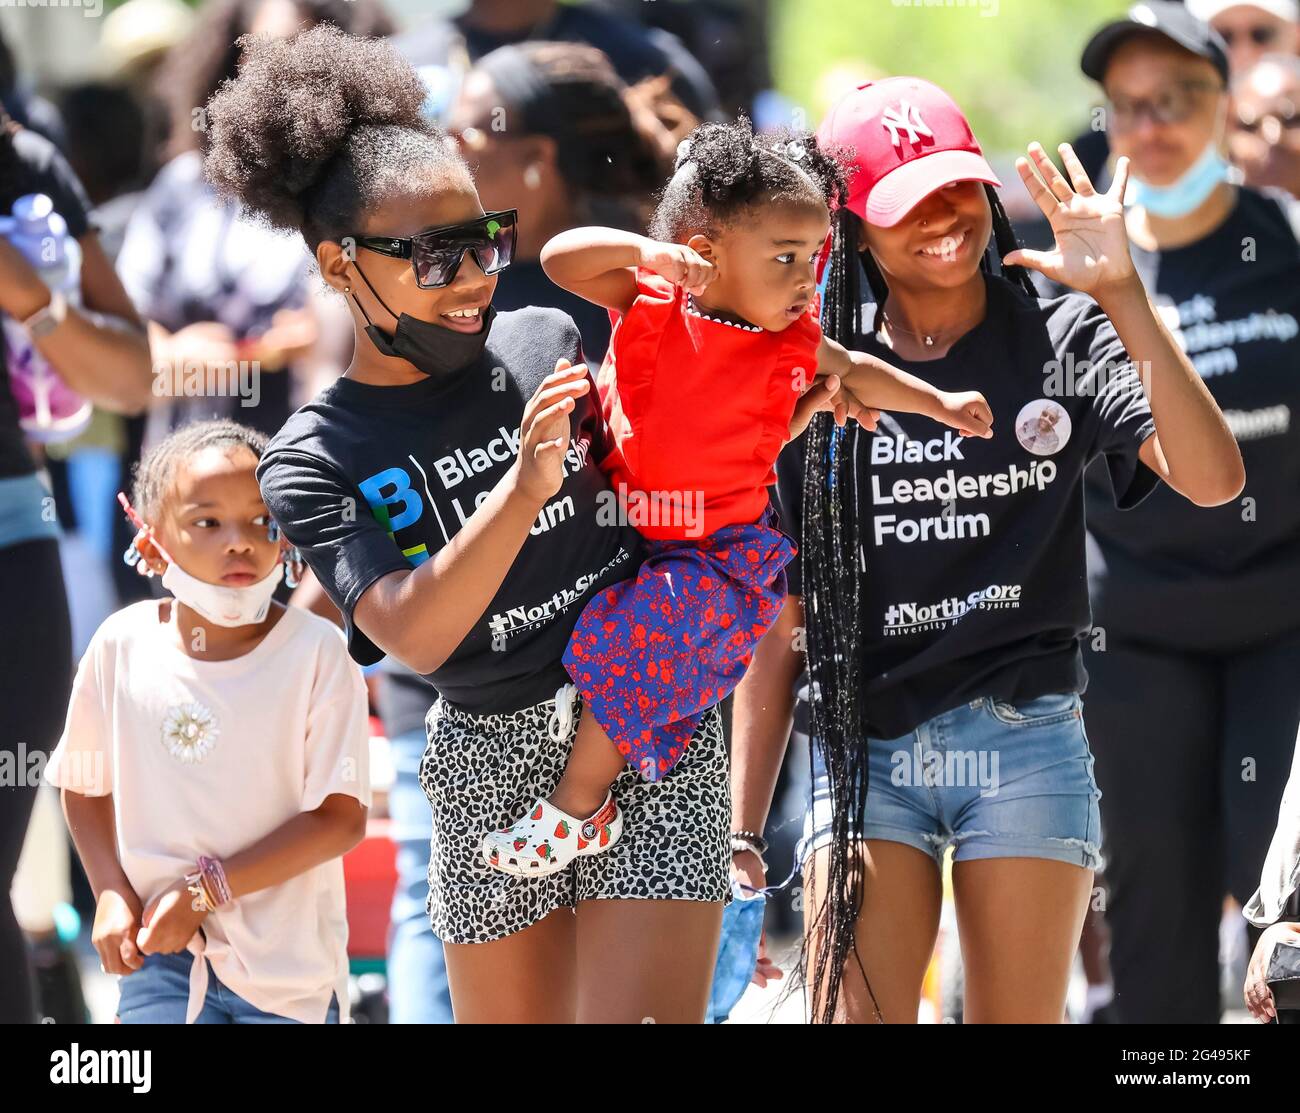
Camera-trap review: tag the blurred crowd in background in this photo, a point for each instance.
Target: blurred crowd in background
(596, 96)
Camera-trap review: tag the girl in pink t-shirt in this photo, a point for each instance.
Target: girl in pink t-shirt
(214, 761)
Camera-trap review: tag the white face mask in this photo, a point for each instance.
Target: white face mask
(225, 606)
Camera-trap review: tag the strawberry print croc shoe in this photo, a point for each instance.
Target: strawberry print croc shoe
(546, 840)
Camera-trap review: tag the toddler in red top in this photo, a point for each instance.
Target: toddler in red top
(715, 361)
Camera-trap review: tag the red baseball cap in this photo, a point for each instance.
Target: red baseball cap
(908, 138)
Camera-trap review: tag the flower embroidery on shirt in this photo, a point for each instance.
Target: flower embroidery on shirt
(189, 732)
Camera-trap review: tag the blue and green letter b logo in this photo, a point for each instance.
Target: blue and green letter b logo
(401, 506)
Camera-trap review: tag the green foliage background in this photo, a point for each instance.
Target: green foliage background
(1014, 71)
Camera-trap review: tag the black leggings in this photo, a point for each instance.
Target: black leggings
(1192, 753)
(35, 679)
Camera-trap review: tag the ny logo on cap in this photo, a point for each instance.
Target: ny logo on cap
(907, 117)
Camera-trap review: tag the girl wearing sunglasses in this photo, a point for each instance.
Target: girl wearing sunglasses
(445, 492)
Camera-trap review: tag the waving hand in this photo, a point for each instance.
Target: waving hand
(1091, 249)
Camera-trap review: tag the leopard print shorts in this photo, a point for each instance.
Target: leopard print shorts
(481, 772)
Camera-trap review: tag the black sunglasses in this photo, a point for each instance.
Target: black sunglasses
(436, 254)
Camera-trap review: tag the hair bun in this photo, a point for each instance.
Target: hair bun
(733, 167)
(293, 108)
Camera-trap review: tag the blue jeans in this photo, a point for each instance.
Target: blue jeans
(159, 993)
(417, 970)
(989, 779)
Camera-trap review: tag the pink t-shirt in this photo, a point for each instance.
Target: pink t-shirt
(206, 757)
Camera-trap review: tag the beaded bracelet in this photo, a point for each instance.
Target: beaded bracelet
(756, 842)
(214, 879)
(742, 841)
(199, 891)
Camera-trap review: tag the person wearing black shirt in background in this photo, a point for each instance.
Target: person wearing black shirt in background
(1193, 706)
(107, 362)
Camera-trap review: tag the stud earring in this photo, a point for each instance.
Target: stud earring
(532, 176)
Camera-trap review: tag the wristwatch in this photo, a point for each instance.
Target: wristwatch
(46, 319)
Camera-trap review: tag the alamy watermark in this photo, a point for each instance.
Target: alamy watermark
(676, 510)
(1082, 378)
(91, 9)
(917, 768)
(196, 379)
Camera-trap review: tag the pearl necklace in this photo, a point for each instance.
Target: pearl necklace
(695, 310)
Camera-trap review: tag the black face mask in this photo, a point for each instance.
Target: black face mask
(431, 349)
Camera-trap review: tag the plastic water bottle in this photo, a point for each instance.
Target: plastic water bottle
(48, 409)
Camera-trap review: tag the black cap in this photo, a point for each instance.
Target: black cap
(1164, 17)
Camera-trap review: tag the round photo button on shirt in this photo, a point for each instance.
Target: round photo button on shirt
(1043, 427)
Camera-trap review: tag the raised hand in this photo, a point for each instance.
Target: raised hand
(683, 266)
(544, 430)
(1091, 251)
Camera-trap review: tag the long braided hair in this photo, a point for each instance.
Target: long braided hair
(834, 561)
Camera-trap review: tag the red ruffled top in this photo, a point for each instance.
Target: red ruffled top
(698, 408)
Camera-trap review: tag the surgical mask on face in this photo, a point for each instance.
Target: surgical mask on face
(1189, 192)
(224, 606)
(742, 928)
(431, 349)
(220, 605)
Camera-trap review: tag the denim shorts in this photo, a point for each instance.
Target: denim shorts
(989, 779)
(159, 993)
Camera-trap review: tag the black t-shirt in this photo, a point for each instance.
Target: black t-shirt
(369, 480)
(404, 695)
(1195, 578)
(525, 283)
(973, 550)
(32, 164)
